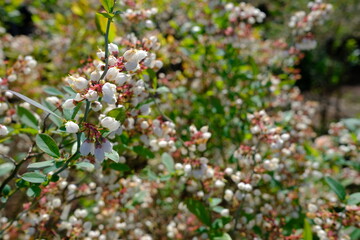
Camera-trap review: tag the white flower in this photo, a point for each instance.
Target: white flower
(101, 149)
(110, 123)
(3, 130)
(121, 78)
(91, 95)
(53, 100)
(112, 74)
(100, 54)
(149, 24)
(69, 104)
(108, 91)
(71, 127)
(96, 106)
(133, 57)
(112, 60)
(87, 147)
(31, 63)
(12, 78)
(95, 76)
(131, 66)
(79, 84)
(7, 93)
(56, 202)
(3, 107)
(219, 184)
(224, 212)
(113, 48)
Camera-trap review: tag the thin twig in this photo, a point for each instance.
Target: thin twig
(16, 169)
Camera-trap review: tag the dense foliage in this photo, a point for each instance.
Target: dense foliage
(179, 120)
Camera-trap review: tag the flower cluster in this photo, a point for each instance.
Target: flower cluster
(213, 141)
(302, 23)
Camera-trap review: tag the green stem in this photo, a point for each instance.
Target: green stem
(87, 109)
(106, 49)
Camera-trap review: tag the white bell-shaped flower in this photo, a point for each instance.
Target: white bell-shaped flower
(71, 127)
(69, 104)
(3, 130)
(108, 91)
(110, 123)
(79, 84)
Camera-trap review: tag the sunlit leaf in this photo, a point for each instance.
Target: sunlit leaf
(34, 103)
(34, 177)
(336, 187)
(47, 144)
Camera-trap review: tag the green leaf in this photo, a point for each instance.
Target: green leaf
(199, 210)
(354, 199)
(33, 191)
(162, 90)
(214, 201)
(138, 197)
(336, 187)
(101, 23)
(218, 209)
(34, 103)
(224, 236)
(39, 165)
(34, 177)
(254, 66)
(47, 144)
(118, 113)
(53, 91)
(27, 118)
(307, 233)
(6, 190)
(355, 235)
(144, 152)
(150, 174)
(120, 167)
(153, 77)
(85, 166)
(114, 156)
(107, 15)
(29, 130)
(76, 110)
(168, 161)
(6, 168)
(108, 5)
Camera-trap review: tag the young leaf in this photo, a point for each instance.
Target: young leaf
(47, 144)
(114, 156)
(120, 167)
(107, 15)
(6, 168)
(214, 201)
(32, 102)
(34, 177)
(224, 236)
(27, 118)
(118, 113)
(144, 152)
(101, 23)
(354, 199)
(53, 91)
(307, 233)
(85, 166)
(199, 210)
(39, 165)
(336, 187)
(33, 191)
(168, 161)
(108, 5)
